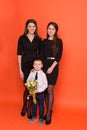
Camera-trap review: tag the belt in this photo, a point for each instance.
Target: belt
(51, 58)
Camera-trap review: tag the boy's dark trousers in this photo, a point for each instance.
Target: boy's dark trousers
(40, 103)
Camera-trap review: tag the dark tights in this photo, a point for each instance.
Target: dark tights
(49, 99)
(27, 103)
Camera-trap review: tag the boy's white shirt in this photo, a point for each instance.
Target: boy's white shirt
(42, 80)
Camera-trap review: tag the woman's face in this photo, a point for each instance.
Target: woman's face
(51, 30)
(31, 28)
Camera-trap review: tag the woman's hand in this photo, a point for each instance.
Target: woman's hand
(21, 74)
(49, 71)
(32, 70)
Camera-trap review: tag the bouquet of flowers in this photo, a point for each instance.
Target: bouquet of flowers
(31, 85)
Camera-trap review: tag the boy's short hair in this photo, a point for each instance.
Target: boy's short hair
(38, 59)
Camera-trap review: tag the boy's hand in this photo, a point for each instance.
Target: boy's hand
(35, 91)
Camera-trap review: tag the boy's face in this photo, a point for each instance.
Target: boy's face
(37, 65)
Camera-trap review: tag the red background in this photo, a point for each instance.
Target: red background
(71, 87)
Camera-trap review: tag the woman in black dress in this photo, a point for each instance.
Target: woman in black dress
(51, 52)
(27, 51)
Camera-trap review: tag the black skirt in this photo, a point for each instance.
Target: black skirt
(26, 68)
(52, 77)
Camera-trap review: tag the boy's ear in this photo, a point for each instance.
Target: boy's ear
(42, 65)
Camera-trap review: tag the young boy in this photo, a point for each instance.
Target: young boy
(40, 76)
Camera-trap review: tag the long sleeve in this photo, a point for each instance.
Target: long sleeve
(43, 84)
(20, 46)
(60, 49)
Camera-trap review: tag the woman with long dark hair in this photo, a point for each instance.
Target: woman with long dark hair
(27, 51)
(51, 51)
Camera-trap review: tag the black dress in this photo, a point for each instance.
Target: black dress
(46, 53)
(28, 50)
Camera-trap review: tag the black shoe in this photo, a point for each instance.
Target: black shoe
(48, 118)
(45, 117)
(22, 113)
(30, 117)
(48, 122)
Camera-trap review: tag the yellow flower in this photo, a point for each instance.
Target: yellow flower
(33, 84)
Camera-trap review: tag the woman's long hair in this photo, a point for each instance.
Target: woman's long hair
(26, 25)
(55, 39)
